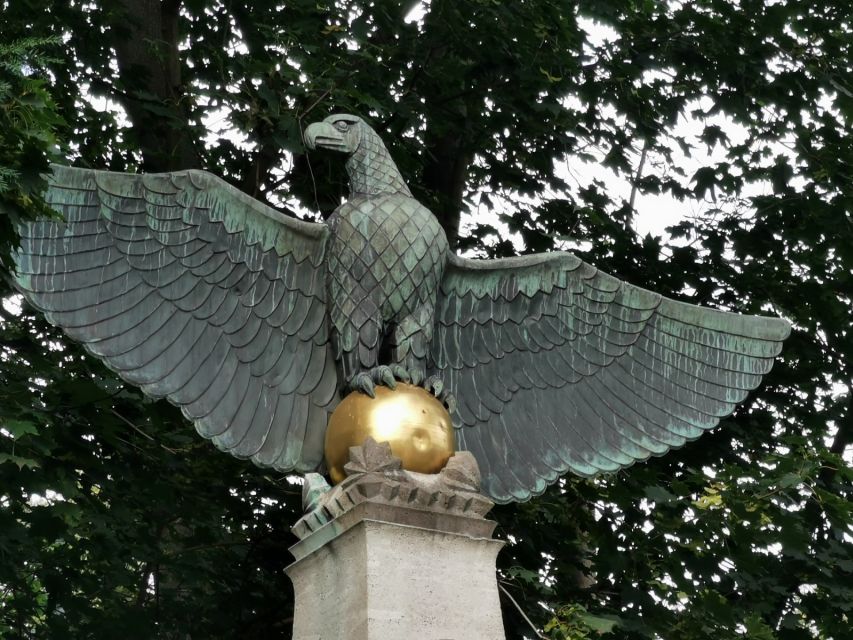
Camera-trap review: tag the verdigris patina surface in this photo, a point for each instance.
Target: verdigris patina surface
(255, 324)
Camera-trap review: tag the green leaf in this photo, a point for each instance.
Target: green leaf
(704, 179)
(20, 461)
(600, 624)
(708, 502)
(757, 629)
(19, 428)
(789, 480)
(659, 494)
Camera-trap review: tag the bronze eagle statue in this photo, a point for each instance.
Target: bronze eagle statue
(255, 323)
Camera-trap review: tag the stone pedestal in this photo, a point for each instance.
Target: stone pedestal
(391, 555)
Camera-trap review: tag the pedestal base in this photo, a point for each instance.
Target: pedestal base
(394, 555)
(384, 579)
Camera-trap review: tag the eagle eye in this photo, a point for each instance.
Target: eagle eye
(341, 125)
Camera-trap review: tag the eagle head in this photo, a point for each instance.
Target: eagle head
(339, 132)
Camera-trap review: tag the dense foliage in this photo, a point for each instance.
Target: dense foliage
(28, 121)
(116, 520)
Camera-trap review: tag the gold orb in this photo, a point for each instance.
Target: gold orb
(411, 419)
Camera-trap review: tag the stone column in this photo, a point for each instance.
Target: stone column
(395, 555)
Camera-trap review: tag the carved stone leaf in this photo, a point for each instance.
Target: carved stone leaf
(372, 457)
(462, 473)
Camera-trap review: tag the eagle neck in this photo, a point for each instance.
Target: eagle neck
(371, 169)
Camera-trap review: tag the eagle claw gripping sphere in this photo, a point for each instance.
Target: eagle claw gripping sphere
(412, 420)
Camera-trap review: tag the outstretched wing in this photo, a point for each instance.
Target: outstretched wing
(197, 293)
(559, 367)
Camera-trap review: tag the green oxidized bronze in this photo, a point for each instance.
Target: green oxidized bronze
(256, 324)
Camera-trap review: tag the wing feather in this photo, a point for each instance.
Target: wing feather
(559, 367)
(198, 293)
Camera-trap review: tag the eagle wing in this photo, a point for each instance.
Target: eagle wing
(557, 366)
(197, 293)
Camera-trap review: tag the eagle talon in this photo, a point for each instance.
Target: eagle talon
(400, 373)
(383, 375)
(416, 377)
(364, 383)
(435, 385)
(449, 401)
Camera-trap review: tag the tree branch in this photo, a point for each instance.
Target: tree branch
(521, 611)
(638, 175)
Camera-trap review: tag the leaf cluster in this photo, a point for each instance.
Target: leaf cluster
(28, 122)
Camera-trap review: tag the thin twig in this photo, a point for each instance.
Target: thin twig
(140, 431)
(521, 611)
(638, 175)
(299, 119)
(131, 425)
(204, 547)
(310, 169)
(316, 102)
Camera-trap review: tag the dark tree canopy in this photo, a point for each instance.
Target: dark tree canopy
(116, 520)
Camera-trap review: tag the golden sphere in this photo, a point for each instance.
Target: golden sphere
(411, 419)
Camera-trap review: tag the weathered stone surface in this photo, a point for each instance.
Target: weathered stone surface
(391, 554)
(372, 457)
(313, 490)
(395, 573)
(375, 476)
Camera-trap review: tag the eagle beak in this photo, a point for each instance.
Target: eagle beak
(324, 136)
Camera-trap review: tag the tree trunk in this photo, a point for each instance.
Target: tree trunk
(446, 141)
(150, 77)
(444, 174)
